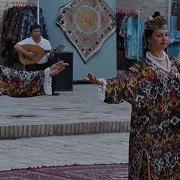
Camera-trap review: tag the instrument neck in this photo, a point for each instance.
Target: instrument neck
(47, 51)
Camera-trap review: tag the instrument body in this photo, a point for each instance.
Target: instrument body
(38, 51)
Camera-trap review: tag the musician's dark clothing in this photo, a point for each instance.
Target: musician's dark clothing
(37, 67)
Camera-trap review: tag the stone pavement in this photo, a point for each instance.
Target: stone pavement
(80, 109)
(64, 150)
(72, 112)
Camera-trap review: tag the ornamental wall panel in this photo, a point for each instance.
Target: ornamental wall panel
(87, 24)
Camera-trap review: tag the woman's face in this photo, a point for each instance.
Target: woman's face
(159, 39)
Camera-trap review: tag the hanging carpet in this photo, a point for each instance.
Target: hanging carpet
(87, 24)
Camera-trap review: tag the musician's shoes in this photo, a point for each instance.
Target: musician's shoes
(55, 94)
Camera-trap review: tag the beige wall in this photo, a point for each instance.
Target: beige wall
(148, 6)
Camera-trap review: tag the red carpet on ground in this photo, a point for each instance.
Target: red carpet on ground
(72, 172)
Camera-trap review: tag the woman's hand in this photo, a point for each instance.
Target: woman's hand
(92, 79)
(57, 68)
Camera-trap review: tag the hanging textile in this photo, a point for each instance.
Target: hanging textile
(17, 22)
(174, 48)
(87, 24)
(130, 33)
(174, 10)
(133, 40)
(4, 5)
(16, 27)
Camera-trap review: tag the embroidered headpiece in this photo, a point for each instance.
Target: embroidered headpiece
(159, 22)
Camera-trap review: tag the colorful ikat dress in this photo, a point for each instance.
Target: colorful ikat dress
(24, 84)
(154, 93)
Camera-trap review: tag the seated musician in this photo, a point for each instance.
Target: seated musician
(35, 39)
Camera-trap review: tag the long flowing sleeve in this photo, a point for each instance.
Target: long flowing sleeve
(176, 63)
(24, 84)
(123, 87)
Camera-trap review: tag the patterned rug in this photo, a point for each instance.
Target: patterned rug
(73, 172)
(87, 24)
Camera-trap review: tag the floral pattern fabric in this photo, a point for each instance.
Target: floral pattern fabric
(21, 83)
(155, 98)
(17, 22)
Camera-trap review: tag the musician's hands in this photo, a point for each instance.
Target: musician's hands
(92, 79)
(58, 67)
(51, 56)
(30, 55)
